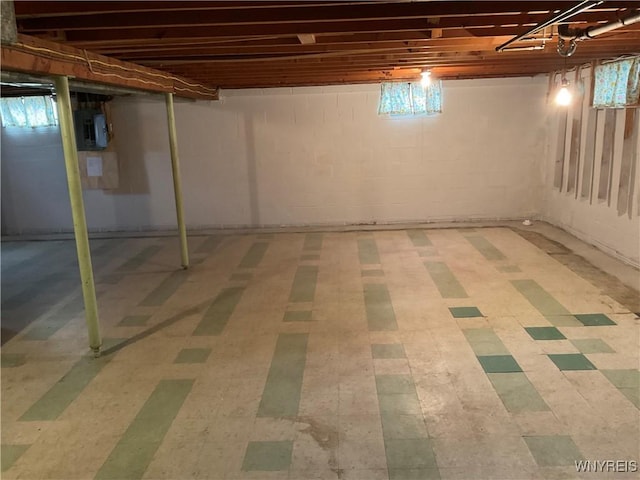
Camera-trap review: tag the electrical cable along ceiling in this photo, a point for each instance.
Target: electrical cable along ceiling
(238, 44)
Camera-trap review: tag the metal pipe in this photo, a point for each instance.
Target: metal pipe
(77, 212)
(519, 49)
(595, 31)
(177, 188)
(581, 7)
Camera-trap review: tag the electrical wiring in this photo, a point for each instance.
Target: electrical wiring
(53, 54)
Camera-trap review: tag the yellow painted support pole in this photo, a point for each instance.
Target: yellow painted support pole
(77, 211)
(177, 188)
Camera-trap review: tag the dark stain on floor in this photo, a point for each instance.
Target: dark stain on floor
(608, 284)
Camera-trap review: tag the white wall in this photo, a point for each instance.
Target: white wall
(285, 156)
(590, 219)
(34, 189)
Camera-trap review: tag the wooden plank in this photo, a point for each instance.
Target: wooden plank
(606, 161)
(589, 154)
(576, 134)
(300, 13)
(560, 148)
(37, 56)
(626, 183)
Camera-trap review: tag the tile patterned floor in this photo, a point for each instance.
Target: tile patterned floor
(417, 354)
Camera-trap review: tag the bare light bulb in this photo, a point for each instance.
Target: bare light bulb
(426, 79)
(563, 97)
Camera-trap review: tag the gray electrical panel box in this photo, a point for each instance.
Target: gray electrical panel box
(91, 129)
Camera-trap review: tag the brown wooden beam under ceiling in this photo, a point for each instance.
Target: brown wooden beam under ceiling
(299, 13)
(37, 56)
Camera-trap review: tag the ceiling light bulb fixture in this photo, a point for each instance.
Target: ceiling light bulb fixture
(426, 78)
(563, 97)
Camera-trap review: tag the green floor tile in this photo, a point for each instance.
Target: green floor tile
(388, 384)
(627, 381)
(485, 247)
(509, 268)
(313, 241)
(403, 426)
(165, 290)
(134, 321)
(592, 345)
(297, 316)
(267, 456)
(254, 255)
(632, 394)
(10, 454)
(414, 474)
(304, 284)
(409, 453)
(217, 315)
(140, 258)
(465, 312)
(65, 391)
(517, 393)
(241, 277)
(623, 378)
(545, 333)
(281, 395)
(545, 303)
(419, 238)
(111, 278)
(193, 355)
(553, 450)
(209, 245)
(134, 451)
(12, 360)
(429, 252)
(388, 350)
(445, 280)
(373, 273)
(378, 307)
(484, 341)
(594, 319)
(399, 403)
(309, 256)
(368, 251)
(499, 364)
(572, 361)
(45, 329)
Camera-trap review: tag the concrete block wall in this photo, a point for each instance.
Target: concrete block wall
(306, 156)
(591, 219)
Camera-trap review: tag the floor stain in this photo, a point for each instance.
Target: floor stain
(327, 438)
(608, 284)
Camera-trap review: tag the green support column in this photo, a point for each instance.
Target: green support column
(177, 188)
(77, 212)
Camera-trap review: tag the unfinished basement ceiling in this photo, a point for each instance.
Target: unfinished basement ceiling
(239, 44)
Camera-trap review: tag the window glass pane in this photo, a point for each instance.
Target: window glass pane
(401, 98)
(28, 112)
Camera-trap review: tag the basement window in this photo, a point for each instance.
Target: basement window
(617, 84)
(39, 111)
(404, 98)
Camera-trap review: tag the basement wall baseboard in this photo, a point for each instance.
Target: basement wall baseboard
(585, 237)
(195, 230)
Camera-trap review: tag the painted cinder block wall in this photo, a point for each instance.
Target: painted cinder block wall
(322, 155)
(596, 221)
(301, 156)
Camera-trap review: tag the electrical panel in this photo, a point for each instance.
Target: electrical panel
(91, 129)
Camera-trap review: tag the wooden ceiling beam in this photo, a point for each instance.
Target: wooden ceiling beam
(204, 54)
(295, 14)
(177, 31)
(317, 25)
(37, 56)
